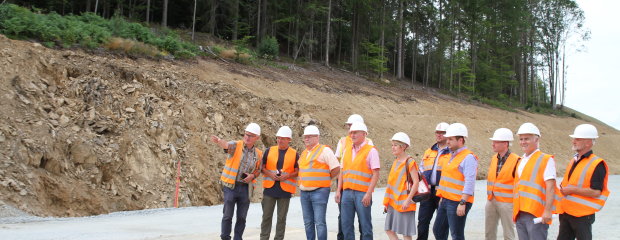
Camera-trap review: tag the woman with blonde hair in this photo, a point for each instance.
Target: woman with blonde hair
(398, 202)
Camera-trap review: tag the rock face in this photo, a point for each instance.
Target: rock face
(84, 134)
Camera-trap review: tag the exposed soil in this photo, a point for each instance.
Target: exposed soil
(89, 133)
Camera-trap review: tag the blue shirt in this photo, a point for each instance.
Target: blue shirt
(469, 168)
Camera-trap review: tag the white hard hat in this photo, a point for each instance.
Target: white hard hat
(585, 131)
(358, 126)
(456, 129)
(355, 118)
(284, 131)
(311, 130)
(528, 128)
(401, 137)
(253, 128)
(442, 126)
(502, 134)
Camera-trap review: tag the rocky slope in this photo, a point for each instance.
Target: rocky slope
(90, 133)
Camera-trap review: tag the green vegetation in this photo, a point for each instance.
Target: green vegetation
(268, 48)
(91, 31)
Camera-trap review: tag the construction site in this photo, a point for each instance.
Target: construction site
(84, 134)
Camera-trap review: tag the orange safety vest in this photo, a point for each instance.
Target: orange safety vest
(288, 185)
(452, 180)
(577, 205)
(349, 142)
(428, 160)
(231, 168)
(313, 173)
(502, 185)
(530, 188)
(356, 174)
(396, 190)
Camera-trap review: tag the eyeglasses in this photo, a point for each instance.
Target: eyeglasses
(250, 135)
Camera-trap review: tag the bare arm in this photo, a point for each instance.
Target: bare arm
(220, 142)
(586, 192)
(335, 172)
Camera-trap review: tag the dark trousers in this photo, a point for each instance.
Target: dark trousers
(579, 227)
(269, 205)
(239, 197)
(425, 214)
(448, 222)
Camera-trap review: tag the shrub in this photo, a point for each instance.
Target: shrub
(268, 48)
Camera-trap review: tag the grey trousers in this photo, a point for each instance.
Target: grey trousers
(527, 230)
(269, 204)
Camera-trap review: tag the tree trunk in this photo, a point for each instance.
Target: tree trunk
(194, 20)
(258, 22)
(212, 17)
(400, 64)
(148, 11)
(235, 19)
(329, 20)
(96, 6)
(164, 18)
(382, 36)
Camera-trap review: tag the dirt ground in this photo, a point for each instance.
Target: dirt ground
(91, 133)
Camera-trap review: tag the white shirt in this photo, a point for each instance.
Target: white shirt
(549, 170)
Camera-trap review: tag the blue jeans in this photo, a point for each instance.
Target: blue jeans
(350, 204)
(237, 196)
(448, 220)
(314, 208)
(425, 214)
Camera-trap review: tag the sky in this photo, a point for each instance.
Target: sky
(592, 75)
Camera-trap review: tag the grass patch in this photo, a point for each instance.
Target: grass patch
(91, 31)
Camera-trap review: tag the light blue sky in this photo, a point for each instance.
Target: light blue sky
(593, 76)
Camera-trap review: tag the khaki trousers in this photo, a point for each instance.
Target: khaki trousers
(498, 211)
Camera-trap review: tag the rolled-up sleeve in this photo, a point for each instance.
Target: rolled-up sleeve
(469, 168)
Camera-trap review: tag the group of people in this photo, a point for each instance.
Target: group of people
(521, 190)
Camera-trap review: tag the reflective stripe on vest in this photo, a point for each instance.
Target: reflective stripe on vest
(530, 192)
(502, 185)
(356, 175)
(288, 166)
(313, 173)
(396, 192)
(577, 205)
(452, 180)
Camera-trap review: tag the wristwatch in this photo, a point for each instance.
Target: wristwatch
(462, 202)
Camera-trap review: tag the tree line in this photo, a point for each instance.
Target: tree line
(506, 51)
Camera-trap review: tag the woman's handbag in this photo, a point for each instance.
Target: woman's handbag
(423, 192)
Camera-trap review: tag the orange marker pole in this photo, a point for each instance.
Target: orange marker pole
(178, 182)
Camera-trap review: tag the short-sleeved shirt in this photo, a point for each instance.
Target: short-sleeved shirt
(372, 161)
(598, 177)
(340, 147)
(549, 170)
(248, 160)
(327, 157)
(276, 190)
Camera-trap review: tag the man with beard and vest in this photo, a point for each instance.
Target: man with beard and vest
(240, 170)
(534, 193)
(280, 173)
(456, 187)
(500, 182)
(357, 181)
(431, 164)
(584, 186)
(317, 166)
(342, 144)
